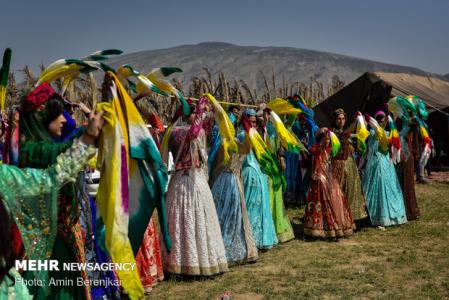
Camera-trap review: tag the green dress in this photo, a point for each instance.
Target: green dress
(284, 230)
(38, 150)
(11, 288)
(30, 196)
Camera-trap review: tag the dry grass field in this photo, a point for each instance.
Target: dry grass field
(405, 262)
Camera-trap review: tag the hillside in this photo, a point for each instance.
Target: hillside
(248, 63)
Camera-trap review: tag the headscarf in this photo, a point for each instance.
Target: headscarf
(337, 112)
(380, 113)
(309, 132)
(37, 149)
(249, 112)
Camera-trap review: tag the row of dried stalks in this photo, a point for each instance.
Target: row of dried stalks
(85, 89)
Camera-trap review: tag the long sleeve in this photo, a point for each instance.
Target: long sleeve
(15, 182)
(30, 196)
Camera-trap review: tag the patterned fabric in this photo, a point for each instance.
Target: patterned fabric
(193, 224)
(383, 193)
(109, 291)
(344, 170)
(38, 96)
(113, 197)
(87, 222)
(347, 174)
(133, 185)
(327, 212)
(187, 157)
(38, 150)
(406, 175)
(188, 152)
(257, 199)
(149, 258)
(35, 211)
(227, 190)
(406, 171)
(12, 287)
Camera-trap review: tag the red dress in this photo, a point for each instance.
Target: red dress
(327, 213)
(149, 259)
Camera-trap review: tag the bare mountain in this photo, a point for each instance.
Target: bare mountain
(249, 62)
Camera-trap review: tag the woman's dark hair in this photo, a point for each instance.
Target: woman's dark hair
(6, 251)
(55, 108)
(380, 117)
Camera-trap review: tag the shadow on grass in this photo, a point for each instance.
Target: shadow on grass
(298, 230)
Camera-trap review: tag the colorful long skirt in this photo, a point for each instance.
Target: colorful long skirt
(384, 199)
(197, 243)
(327, 213)
(88, 215)
(149, 258)
(346, 173)
(406, 175)
(282, 225)
(234, 223)
(257, 199)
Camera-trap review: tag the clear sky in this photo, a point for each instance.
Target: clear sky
(407, 32)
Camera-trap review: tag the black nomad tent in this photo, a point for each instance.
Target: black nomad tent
(371, 91)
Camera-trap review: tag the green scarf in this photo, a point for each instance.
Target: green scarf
(37, 149)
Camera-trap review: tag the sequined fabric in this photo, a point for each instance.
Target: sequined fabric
(327, 212)
(345, 171)
(31, 197)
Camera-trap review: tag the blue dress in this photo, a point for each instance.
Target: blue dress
(291, 174)
(257, 198)
(229, 210)
(384, 199)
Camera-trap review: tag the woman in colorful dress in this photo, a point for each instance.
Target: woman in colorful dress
(30, 198)
(41, 121)
(305, 130)
(327, 213)
(197, 243)
(345, 170)
(384, 199)
(282, 225)
(406, 168)
(227, 190)
(88, 217)
(257, 195)
(149, 256)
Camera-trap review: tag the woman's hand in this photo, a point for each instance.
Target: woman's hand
(84, 108)
(93, 128)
